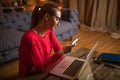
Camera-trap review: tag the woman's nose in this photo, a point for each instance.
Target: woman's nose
(58, 23)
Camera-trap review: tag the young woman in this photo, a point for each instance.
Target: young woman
(38, 42)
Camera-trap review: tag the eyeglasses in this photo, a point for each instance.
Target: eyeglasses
(57, 18)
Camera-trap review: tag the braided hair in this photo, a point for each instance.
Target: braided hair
(39, 12)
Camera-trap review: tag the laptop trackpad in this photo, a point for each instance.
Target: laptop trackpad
(73, 68)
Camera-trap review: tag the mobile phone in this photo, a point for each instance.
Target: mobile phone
(75, 41)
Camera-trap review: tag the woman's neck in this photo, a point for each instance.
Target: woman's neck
(40, 29)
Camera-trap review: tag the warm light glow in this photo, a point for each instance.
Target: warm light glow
(42, 0)
(60, 7)
(60, 4)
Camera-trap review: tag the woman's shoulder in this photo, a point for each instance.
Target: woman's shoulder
(29, 34)
(50, 32)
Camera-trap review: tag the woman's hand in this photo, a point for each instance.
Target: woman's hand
(67, 49)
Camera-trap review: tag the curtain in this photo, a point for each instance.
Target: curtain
(99, 15)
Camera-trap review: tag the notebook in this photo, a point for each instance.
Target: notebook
(69, 66)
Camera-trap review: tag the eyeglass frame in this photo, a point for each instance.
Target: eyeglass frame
(56, 17)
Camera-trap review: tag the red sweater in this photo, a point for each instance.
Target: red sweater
(35, 51)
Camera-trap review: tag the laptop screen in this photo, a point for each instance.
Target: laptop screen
(86, 71)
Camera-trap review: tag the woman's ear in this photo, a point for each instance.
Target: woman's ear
(47, 16)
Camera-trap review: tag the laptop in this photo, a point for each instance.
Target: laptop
(69, 67)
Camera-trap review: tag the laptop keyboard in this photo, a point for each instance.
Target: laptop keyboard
(73, 68)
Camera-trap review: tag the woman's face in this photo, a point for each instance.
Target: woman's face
(54, 20)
